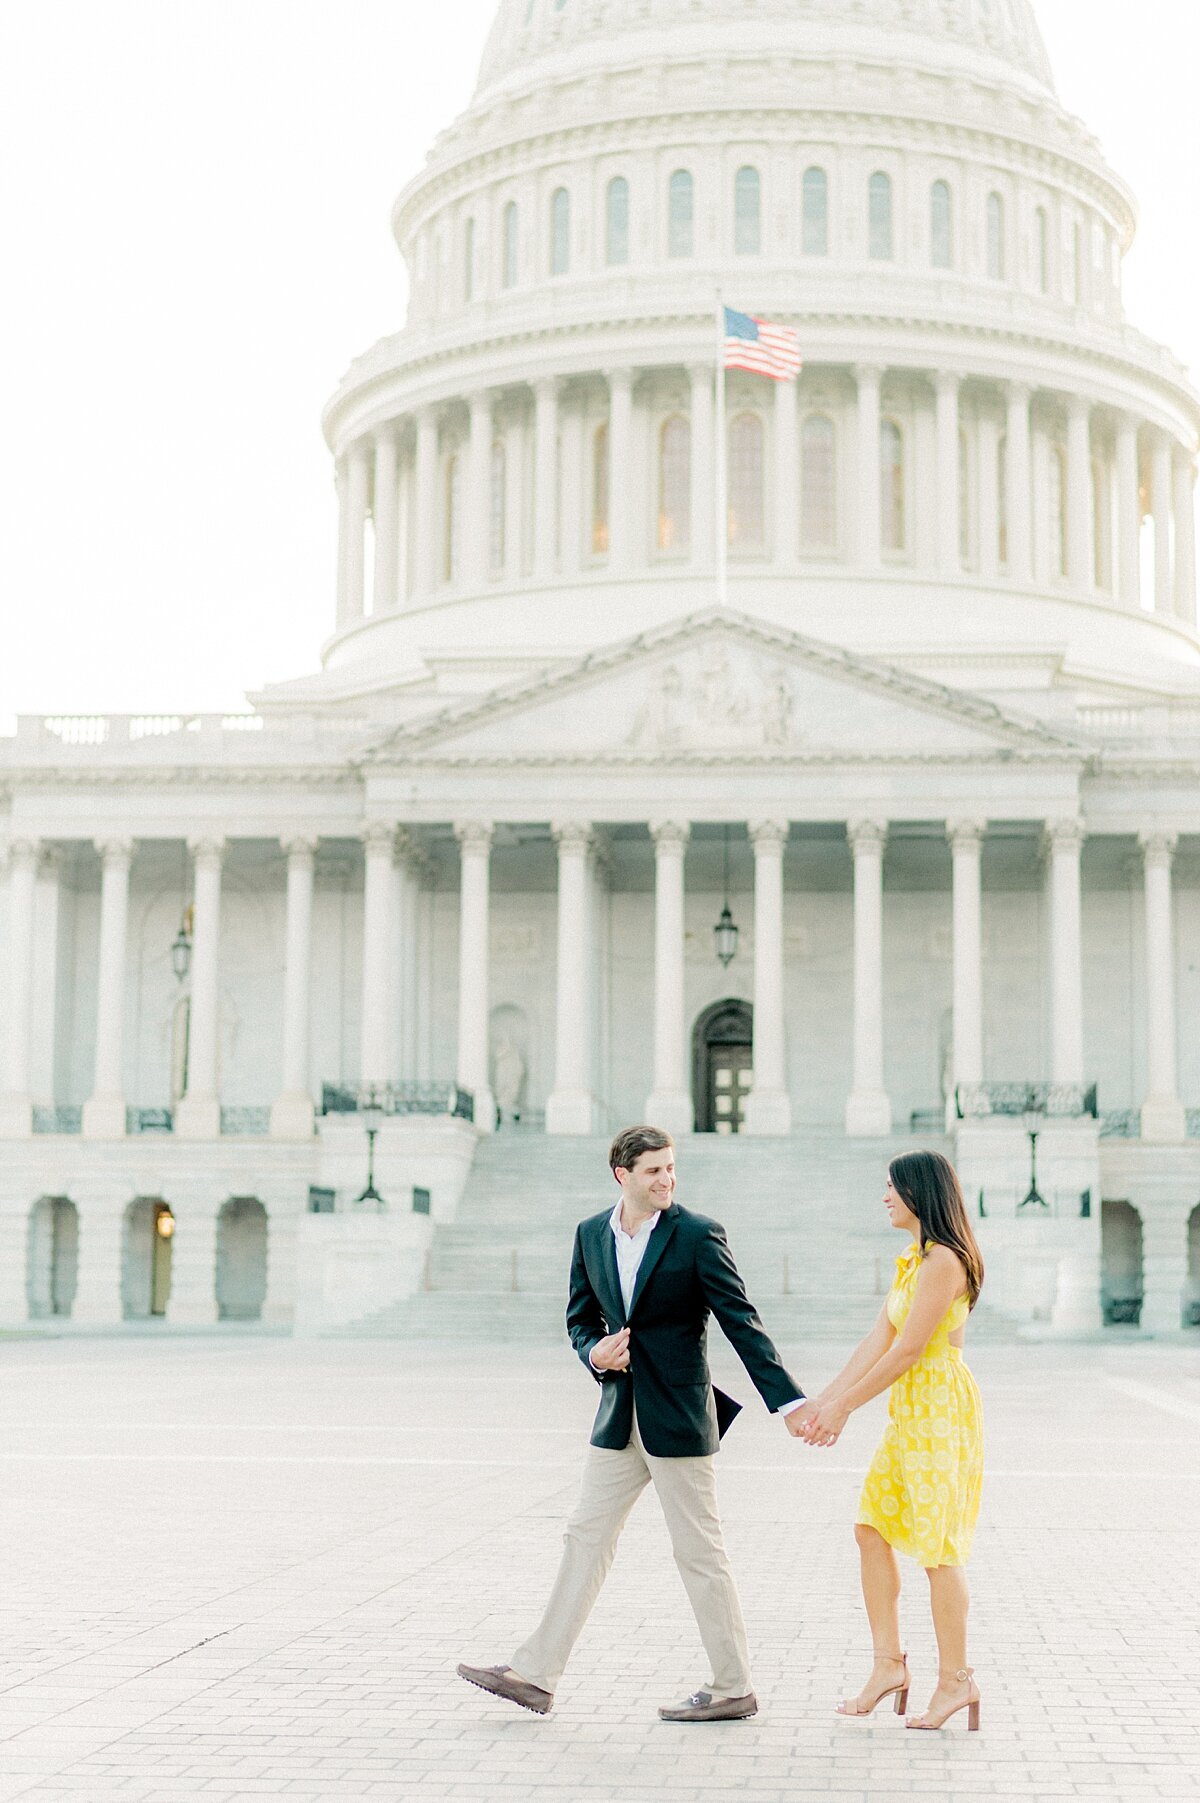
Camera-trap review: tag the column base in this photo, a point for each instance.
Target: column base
(104, 1117)
(672, 1110)
(868, 1114)
(293, 1117)
(16, 1117)
(485, 1111)
(198, 1118)
(1163, 1118)
(768, 1113)
(570, 1111)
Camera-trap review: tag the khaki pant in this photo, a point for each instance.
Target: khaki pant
(612, 1483)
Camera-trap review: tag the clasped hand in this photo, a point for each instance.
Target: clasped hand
(612, 1352)
(817, 1423)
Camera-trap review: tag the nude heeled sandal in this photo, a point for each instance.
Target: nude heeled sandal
(970, 1703)
(899, 1691)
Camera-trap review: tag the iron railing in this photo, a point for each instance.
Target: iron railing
(1121, 1123)
(60, 1117)
(399, 1098)
(1056, 1101)
(149, 1120)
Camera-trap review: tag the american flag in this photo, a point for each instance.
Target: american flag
(761, 346)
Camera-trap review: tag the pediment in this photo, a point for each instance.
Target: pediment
(717, 686)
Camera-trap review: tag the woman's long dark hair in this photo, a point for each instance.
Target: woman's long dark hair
(928, 1184)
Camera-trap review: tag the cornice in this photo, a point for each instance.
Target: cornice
(35, 780)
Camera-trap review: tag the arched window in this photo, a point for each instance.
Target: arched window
(616, 211)
(747, 212)
(818, 484)
(891, 482)
(995, 238)
(509, 272)
(964, 501)
(815, 213)
(498, 509)
(746, 517)
(1058, 511)
(560, 232)
(680, 207)
(879, 215)
(1043, 250)
(941, 229)
(450, 521)
(469, 260)
(675, 485)
(600, 490)
(1002, 501)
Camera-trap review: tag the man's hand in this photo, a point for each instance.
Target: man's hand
(796, 1419)
(612, 1352)
(826, 1423)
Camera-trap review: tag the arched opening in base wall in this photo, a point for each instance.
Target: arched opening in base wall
(241, 1259)
(1191, 1293)
(53, 1261)
(149, 1230)
(722, 1065)
(1121, 1264)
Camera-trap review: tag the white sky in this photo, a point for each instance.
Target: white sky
(195, 207)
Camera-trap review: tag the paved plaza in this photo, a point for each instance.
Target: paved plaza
(241, 1566)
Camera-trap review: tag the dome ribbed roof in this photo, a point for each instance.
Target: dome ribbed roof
(995, 37)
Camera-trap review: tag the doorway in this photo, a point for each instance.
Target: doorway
(146, 1264)
(723, 1065)
(53, 1257)
(241, 1259)
(1121, 1263)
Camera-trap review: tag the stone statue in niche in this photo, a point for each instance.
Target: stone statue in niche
(508, 1078)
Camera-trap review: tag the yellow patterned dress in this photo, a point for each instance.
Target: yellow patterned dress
(923, 1488)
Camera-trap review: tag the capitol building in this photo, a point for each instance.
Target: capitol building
(888, 827)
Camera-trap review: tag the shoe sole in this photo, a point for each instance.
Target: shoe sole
(685, 1720)
(505, 1696)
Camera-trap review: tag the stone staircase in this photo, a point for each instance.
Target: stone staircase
(804, 1218)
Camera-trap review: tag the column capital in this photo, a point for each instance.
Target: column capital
(965, 832)
(868, 372)
(670, 835)
(546, 385)
(481, 400)
(116, 850)
(1079, 406)
(1018, 393)
(572, 835)
(1158, 845)
(766, 834)
(378, 835)
(1068, 832)
(24, 851)
(947, 381)
(51, 860)
(300, 845)
(866, 832)
(619, 378)
(208, 848)
(699, 373)
(474, 835)
(385, 435)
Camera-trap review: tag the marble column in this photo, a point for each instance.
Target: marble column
(386, 513)
(570, 541)
(989, 497)
(946, 391)
(425, 524)
(16, 1108)
(1185, 537)
(354, 487)
(104, 1110)
(704, 451)
(474, 947)
(571, 1107)
(1129, 514)
(1018, 483)
(1080, 513)
(1064, 840)
(545, 479)
(868, 1106)
(515, 476)
(669, 1104)
(620, 460)
(379, 849)
(1160, 504)
(292, 1114)
(1162, 1110)
(966, 843)
(786, 533)
(768, 1106)
(198, 1115)
(477, 537)
(868, 497)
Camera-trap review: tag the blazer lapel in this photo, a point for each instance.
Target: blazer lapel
(659, 1240)
(610, 1288)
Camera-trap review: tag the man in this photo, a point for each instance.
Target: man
(644, 1280)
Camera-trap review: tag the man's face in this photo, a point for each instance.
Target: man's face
(650, 1185)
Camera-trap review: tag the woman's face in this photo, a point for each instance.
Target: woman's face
(899, 1213)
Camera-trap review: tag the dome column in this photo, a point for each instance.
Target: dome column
(869, 378)
(620, 460)
(1081, 550)
(545, 480)
(1185, 537)
(946, 390)
(1129, 514)
(1018, 484)
(424, 537)
(989, 497)
(1162, 1110)
(1160, 506)
(386, 514)
(704, 452)
(353, 490)
(478, 536)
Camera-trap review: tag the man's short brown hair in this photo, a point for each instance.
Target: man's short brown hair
(631, 1142)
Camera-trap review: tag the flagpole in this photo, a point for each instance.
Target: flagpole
(720, 472)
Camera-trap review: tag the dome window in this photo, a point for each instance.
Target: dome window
(616, 238)
(747, 213)
(818, 484)
(891, 482)
(560, 232)
(814, 223)
(746, 514)
(675, 485)
(680, 211)
(509, 270)
(879, 217)
(941, 229)
(995, 238)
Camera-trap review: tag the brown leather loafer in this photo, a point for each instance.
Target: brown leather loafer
(700, 1707)
(504, 1683)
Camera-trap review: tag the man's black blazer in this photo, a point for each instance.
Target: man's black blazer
(687, 1272)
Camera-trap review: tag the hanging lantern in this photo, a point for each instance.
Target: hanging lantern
(725, 933)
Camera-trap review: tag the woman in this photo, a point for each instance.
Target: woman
(921, 1494)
